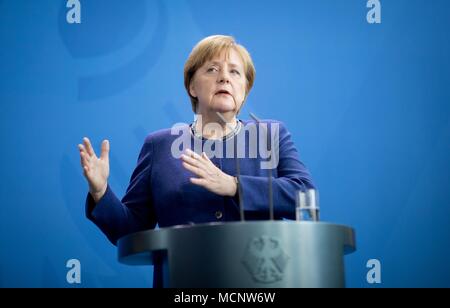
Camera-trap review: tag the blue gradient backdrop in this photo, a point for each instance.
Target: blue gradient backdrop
(368, 107)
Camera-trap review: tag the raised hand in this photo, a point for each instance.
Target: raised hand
(95, 169)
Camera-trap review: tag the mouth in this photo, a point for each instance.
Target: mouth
(223, 92)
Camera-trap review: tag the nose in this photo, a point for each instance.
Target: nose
(223, 77)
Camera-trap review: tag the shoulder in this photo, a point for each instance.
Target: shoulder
(167, 134)
(271, 124)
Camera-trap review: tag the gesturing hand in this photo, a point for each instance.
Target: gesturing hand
(209, 176)
(95, 170)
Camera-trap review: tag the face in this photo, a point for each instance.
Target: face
(220, 84)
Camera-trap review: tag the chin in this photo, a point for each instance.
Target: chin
(224, 107)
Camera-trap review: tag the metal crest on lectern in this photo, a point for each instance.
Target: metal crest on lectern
(265, 259)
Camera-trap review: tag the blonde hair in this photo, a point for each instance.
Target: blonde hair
(206, 50)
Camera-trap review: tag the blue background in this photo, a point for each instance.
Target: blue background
(367, 104)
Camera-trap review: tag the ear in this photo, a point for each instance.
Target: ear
(192, 89)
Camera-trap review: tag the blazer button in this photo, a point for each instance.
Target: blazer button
(218, 214)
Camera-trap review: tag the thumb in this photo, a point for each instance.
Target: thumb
(105, 150)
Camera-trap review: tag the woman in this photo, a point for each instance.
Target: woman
(195, 187)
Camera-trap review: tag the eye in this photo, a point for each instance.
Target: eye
(235, 72)
(212, 69)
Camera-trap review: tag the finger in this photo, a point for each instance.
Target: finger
(192, 154)
(190, 160)
(88, 146)
(85, 159)
(207, 162)
(205, 157)
(195, 163)
(195, 170)
(105, 150)
(81, 159)
(86, 170)
(82, 151)
(81, 147)
(199, 182)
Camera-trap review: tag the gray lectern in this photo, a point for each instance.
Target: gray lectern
(254, 254)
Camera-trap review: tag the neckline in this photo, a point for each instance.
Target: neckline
(231, 134)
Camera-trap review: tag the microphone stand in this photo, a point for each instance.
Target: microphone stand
(258, 121)
(238, 171)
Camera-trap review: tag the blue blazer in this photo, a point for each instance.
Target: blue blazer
(160, 191)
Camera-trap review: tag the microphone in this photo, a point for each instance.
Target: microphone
(238, 170)
(258, 121)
